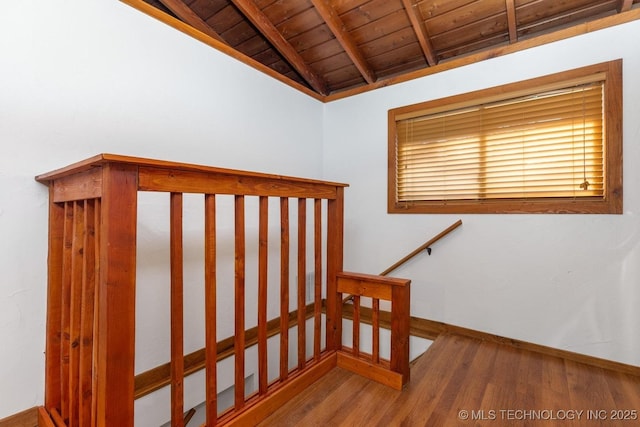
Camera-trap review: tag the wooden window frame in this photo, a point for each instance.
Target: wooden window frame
(610, 203)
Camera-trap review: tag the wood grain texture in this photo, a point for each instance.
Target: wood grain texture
(484, 378)
(239, 301)
(334, 49)
(26, 418)
(493, 52)
(302, 281)
(396, 373)
(53, 373)
(77, 256)
(77, 281)
(365, 368)
(90, 267)
(263, 246)
(210, 292)
(317, 280)
(375, 333)
(154, 379)
(338, 28)
(624, 5)
(97, 234)
(116, 297)
(357, 286)
(155, 179)
(275, 36)
(400, 319)
(511, 19)
(43, 420)
(422, 247)
(299, 381)
(355, 346)
(421, 32)
(65, 327)
(608, 203)
(287, 78)
(99, 160)
(177, 311)
(56, 418)
(284, 287)
(431, 330)
(85, 185)
(335, 251)
(180, 9)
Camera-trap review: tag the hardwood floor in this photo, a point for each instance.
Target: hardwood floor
(463, 381)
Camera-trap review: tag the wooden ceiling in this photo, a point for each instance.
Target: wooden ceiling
(334, 48)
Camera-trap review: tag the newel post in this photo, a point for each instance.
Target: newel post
(400, 323)
(335, 250)
(115, 327)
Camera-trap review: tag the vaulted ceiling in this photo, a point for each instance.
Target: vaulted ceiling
(333, 48)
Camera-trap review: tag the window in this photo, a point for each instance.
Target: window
(547, 145)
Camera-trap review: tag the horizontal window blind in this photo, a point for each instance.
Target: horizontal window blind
(547, 145)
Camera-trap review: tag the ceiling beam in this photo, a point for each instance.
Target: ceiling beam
(188, 16)
(337, 27)
(275, 37)
(421, 32)
(511, 20)
(624, 5)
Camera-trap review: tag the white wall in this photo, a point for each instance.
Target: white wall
(81, 77)
(566, 281)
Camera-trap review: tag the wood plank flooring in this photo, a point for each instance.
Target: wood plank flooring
(463, 381)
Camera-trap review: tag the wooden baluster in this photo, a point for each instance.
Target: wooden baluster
(77, 263)
(302, 278)
(85, 416)
(177, 315)
(239, 301)
(375, 326)
(317, 306)
(94, 388)
(263, 251)
(356, 326)
(55, 304)
(284, 288)
(67, 273)
(210, 310)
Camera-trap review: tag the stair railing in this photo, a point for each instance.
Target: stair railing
(426, 246)
(91, 307)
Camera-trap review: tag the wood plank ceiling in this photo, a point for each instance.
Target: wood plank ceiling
(329, 47)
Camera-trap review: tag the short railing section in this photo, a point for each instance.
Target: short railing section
(395, 371)
(92, 270)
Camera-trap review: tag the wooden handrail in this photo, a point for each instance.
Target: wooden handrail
(188, 415)
(420, 248)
